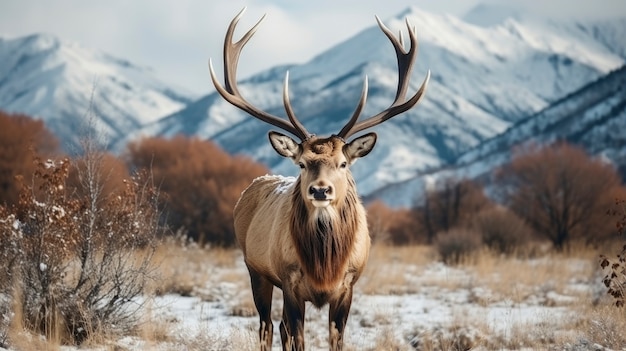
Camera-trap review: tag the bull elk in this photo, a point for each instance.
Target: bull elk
(308, 235)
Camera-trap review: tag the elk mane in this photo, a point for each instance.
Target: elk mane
(324, 241)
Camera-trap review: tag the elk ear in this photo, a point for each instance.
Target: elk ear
(360, 146)
(284, 145)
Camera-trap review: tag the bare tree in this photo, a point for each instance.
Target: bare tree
(450, 204)
(561, 192)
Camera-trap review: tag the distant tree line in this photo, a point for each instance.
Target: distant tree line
(199, 183)
(555, 193)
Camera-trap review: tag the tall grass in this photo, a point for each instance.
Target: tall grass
(487, 278)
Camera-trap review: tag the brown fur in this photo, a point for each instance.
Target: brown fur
(312, 253)
(324, 243)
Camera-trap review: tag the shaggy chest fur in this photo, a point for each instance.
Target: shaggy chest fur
(324, 239)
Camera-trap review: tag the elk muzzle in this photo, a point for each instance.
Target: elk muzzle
(321, 195)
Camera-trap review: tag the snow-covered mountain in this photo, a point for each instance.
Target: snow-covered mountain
(593, 118)
(486, 75)
(64, 83)
(491, 69)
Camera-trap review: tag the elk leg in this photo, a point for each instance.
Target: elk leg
(262, 290)
(337, 317)
(292, 326)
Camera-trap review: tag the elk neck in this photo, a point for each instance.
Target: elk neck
(324, 237)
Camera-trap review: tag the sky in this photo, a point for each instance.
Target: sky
(176, 38)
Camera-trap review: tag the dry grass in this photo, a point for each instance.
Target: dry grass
(186, 269)
(484, 279)
(390, 269)
(554, 279)
(154, 330)
(489, 276)
(604, 325)
(518, 279)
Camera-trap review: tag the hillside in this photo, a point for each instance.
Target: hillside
(593, 118)
(484, 79)
(64, 84)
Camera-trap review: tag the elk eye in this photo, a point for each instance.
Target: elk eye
(301, 165)
(343, 165)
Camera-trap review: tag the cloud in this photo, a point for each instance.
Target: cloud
(570, 9)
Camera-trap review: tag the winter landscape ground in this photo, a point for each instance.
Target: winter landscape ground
(406, 300)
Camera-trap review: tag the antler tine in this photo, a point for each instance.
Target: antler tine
(292, 116)
(357, 112)
(405, 66)
(230, 91)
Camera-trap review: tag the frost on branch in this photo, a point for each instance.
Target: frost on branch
(79, 257)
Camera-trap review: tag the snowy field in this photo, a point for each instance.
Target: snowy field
(406, 300)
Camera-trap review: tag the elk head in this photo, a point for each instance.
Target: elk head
(323, 161)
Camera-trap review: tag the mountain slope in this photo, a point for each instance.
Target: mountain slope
(484, 78)
(59, 82)
(593, 118)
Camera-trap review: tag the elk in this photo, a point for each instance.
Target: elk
(308, 235)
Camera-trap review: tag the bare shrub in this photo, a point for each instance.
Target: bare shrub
(615, 276)
(389, 226)
(5, 319)
(561, 192)
(450, 203)
(456, 244)
(501, 229)
(81, 263)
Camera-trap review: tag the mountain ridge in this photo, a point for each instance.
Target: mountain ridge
(66, 85)
(593, 118)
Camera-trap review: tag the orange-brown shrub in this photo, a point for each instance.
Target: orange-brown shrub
(18, 135)
(561, 192)
(501, 230)
(201, 184)
(391, 226)
(456, 244)
(105, 174)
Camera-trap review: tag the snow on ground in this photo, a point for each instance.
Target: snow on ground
(434, 302)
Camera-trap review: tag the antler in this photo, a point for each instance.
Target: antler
(399, 105)
(230, 91)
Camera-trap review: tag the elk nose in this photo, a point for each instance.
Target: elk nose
(319, 192)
